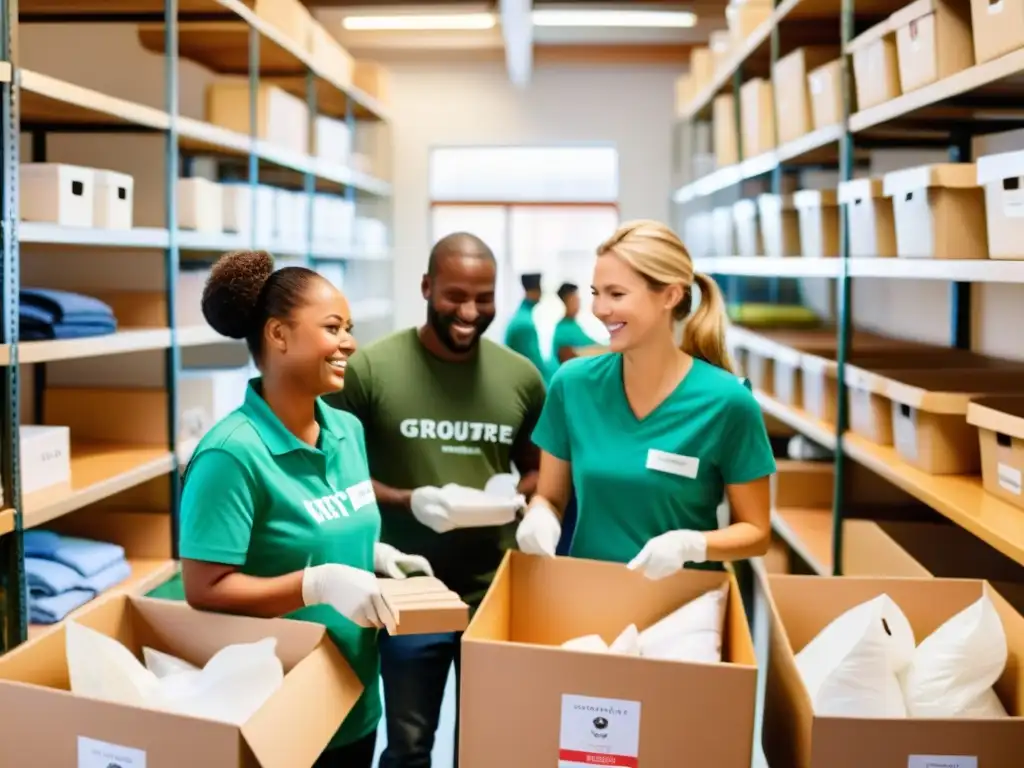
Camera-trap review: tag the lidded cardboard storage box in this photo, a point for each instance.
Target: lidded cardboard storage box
(327, 53)
(744, 17)
(291, 729)
(998, 28)
(527, 702)
(281, 118)
(720, 43)
(1000, 423)
(826, 88)
(56, 193)
(933, 41)
(723, 231)
(1002, 176)
(758, 116)
(748, 233)
(792, 94)
(939, 211)
(872, 225)
(726, 141)
(929, 415)
(780, 227)
(795, 737)
(702, 67)
(876, 75)
(818, 214)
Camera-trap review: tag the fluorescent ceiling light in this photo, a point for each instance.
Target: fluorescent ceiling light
(596, 18)
(420, 22)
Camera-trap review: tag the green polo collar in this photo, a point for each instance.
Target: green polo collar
(278, 439)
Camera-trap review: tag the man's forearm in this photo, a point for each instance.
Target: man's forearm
(393, 497)
(528, 483)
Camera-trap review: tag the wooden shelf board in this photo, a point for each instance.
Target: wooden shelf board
(972, 80)
(768, 267)
(122, 342)
(808, 532)
(6, 521)
(47, 100)
(146, 574)
(959, 498)
(113, 8)
(98, 471)
(967, 270)
(820, 432)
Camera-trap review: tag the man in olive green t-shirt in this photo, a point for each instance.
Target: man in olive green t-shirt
(441, 405)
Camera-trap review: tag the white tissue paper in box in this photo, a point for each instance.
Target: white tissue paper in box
(232, 686)
(163, 664)
(471, 507)
(589, 643)
(690, 633)
(952, 671)
(852, 667)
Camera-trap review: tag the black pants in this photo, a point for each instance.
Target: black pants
(358, 754)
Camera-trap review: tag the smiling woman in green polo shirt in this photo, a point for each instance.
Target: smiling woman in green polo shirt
(651, 435)
(278, 515)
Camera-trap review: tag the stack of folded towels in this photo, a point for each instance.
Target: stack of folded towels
(63, 573)
(46, 314)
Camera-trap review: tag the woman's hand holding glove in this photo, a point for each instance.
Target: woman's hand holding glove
(391, 562)
(539, 530)
(352, 592)
(665, 554)
(428, 507)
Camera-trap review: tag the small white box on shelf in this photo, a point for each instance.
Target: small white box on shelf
(112, 200)
(188, 305)
(237, 202)
(818, 212)
(333, 140)
(870, 218)
(370, 236)
(780, 228)
(200, 205)
(56, 193)
(45, 456)
(300, 215)
(748, 234)
(1002, 175)
(207, 395)
(325, 225)
(284, 220)
(723, 231)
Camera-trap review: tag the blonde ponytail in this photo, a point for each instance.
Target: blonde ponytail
(659, 256)
(704, 331)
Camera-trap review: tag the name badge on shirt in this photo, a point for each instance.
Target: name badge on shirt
(672, 463)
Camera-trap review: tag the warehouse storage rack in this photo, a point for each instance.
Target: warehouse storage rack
(228, 38)
(947, 115)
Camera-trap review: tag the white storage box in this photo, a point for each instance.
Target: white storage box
(237, 204)
(870, 218)
(45, 457)
(723, 231)
(200, 205)
(333, 140)
(748, 234)
(112, 200)
(281, 119)
(56, 193)
(300, 206)
(780, 228)
(285, 226)
(818, 213)
(1002, 176)
(939, 211)
(207, 395)
(188, 309)
(370, 236)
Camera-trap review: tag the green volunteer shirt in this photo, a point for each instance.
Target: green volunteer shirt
(568, 333)
(521, 336)
(433, 422)
(639, 478)
(257, 497)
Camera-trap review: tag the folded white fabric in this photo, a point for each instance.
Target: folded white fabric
(690, 633)
(472, 507)
(952, 671)
(588, 643)
(852, 667)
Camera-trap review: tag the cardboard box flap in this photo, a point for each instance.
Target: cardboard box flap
(770, 203)
(910, 13)
(944, 175)
(949, 391)
(870, 36)
(744, 210)
(856, 190)
(815, 198)
(1004, 165)
(1004, 415)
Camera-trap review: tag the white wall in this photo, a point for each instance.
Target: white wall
(462, 105)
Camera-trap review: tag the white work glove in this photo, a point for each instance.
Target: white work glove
(665, 554)
(429, 508)
(352, 592)
(540, 529)
(396, 564)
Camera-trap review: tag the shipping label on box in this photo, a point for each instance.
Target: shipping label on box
(598, 731)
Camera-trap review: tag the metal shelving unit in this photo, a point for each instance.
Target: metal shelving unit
(41, 105)
(938, 116)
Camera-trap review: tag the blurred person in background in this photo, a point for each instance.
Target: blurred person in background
(521, 333)
(569, 337)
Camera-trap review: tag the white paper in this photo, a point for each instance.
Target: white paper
(598, 731)
(1010, 478)
(904, 432)
(673, 463)
(100, 754)
(942, 761)
(1013, 202)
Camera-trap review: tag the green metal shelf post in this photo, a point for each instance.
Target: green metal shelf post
(172, 362)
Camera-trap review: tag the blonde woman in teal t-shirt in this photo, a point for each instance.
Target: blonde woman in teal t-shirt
(652, 434)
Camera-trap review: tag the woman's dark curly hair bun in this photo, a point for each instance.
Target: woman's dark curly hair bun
(231, 298)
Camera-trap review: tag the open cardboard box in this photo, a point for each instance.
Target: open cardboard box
(527, 702)
(793, 737)
(44, 719)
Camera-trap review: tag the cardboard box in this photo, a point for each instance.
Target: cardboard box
(45, 456)
(745, 17)
(872, 224)
(685, 93)
(780, 227)
(702, 67)
(373, 79)
(794, 737)
(281, 118)
(826, 87)
(720, 43)
(289, 730)
(792, 95)
(329, 57)
(818, 215)
(933, 41)
(424, 605)
(723, 231)
(522, 695)
(757, 113)
(726, 139)
(998, 28)
(876, 73)
(1001, 176)
(748, 234)
(939, 211)
(1000, 423)
(289, 17)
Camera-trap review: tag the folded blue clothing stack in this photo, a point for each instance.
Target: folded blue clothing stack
(63, 573)
(46, 314)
